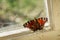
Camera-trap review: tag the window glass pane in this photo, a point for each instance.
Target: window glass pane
(14, 13)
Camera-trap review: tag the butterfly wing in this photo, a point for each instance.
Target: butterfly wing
(36, 24)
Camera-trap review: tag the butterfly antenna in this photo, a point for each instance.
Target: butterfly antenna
(39, 14)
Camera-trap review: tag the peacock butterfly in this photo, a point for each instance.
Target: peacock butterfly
(36, 24)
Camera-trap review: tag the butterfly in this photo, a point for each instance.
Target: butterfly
(36, 24)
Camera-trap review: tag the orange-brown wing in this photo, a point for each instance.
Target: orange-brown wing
(42, 21)
(36, 24)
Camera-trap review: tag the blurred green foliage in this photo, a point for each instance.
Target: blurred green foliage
(26, 3)
(0, 1)
(19, 7)
(13, 3)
